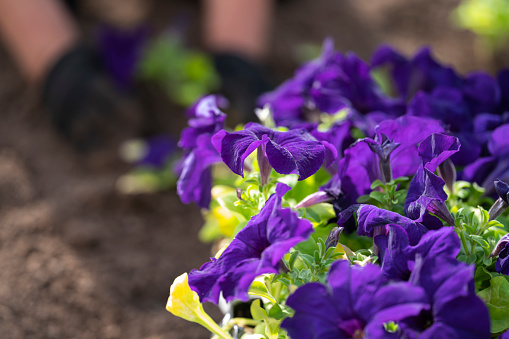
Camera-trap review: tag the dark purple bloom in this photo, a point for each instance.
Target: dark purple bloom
(485, 123)
(502, 202)
(158, 151)
(502, 251)
(360, 164)
(450, 106)
(337, 135)
(486, 170)
(456, 311)
(355, 304)
(288, 102)
(398, 256)
(373, 221)
(422, 73)
(205, 117)
(195, 181)
(257, 249)
(426, 191)
(481, 92)
(503, 83)
(295, 151)
(121, 50)
(346, 82)
(445, 104)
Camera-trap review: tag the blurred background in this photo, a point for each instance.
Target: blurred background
(92, 101)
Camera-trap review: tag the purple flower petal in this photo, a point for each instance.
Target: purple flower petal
(257, 249)
(356, 302)
(295, 151)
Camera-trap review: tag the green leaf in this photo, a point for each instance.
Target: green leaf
(378, 196)
(481, 277)
(496, 298)
(363, 198)
(257, 311)
(291, 260)
(276, 312)
(259, 289)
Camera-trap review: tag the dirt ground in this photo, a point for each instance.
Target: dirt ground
(79, 260)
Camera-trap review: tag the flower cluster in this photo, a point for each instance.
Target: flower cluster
(347, 219)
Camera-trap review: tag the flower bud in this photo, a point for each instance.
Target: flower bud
(447, 171)
(313, 199)
(502, 202)
(333, 238)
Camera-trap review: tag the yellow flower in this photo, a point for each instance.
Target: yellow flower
(185, 303)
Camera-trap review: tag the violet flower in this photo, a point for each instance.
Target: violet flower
(421, 73)
(158, 151)
(360, 165)
(205, 117)
(346, 82)
(486, 170)
(355, 304)
(295, 151)
(456, 311)
(398, 256)
(121, 50)
(373, 221)
(257, 249)
(288, 101)
(195, 181)
(426, 191)
(502, 202)
(502, 251)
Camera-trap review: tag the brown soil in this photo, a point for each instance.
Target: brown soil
(79, 260)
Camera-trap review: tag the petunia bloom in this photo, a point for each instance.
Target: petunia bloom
(398, 257)
(502, 202)
(355, 304)
(195, 180)
(502, 251)
(257, 249)
(373, 221)
(456, 311)
(486, 170)
(426, 191)
(295, 151)
(360, 166)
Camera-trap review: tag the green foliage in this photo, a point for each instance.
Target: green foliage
(184, 74)
(496, 298)
(390, 196)
(489, 19)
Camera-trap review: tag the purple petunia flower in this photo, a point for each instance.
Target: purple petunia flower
(346, 82)
(257, 249)
(456, 311)
(360, 166)
(426, 191)
(373, 221)
(421, 73)
(205, 117)
(486, 170)
(121, 50)
(295, 151)
(195, 181)
(158, 150)
(288, 101)
(355, 304)
(398, 256)
(502, 251)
